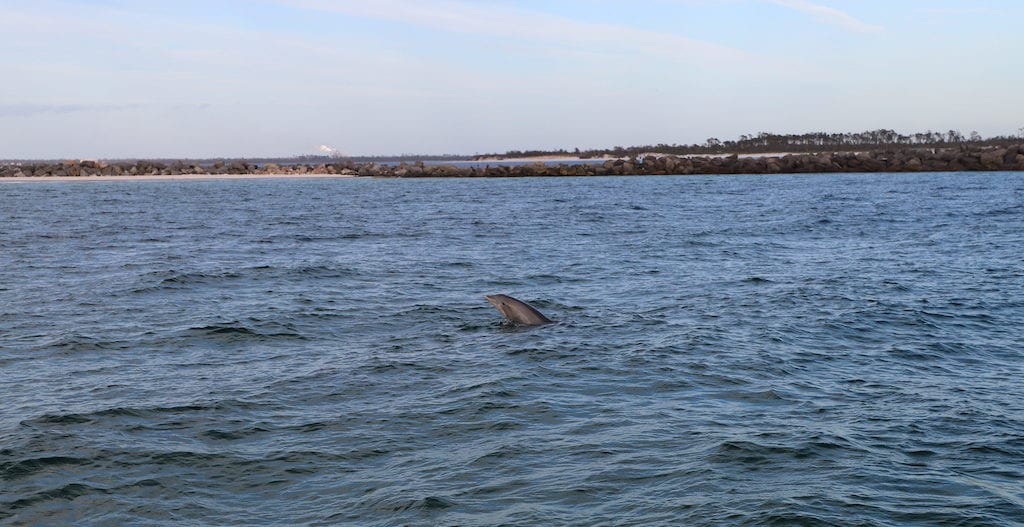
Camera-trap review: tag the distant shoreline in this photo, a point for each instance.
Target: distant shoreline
(542, 159)
(599, 159)
(171, 177)
(958, 159)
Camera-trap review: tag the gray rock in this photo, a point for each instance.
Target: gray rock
(1010, 157)
(992, 160)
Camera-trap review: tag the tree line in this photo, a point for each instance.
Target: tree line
(765, 142)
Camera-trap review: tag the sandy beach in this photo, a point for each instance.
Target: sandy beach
(177, 177)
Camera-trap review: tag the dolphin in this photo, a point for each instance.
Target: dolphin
(517, 311)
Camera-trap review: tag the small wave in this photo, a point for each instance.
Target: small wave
(315, 426)
(475, 326)
(83, 343)
(483, 387)
(429, 503)
(10, 470)
(224, 329)
(142, 483)
(198, 278)
(60, 236)
(65, 493)
(330, 272)
(426, 309)
(548, 279)
(86, 418)
(498, 456)
(236, 330)
(915, 354)
(752, 453)
(177, 279)
(1004, 211)
(133, 414)
(394, 366)
(765, 396)
(65, 419)
(233, 435)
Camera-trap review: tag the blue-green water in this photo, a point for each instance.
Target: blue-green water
(790, 350)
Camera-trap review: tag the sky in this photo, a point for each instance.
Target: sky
(227, 78)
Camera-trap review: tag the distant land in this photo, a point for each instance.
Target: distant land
(764, 153)
(306, 159)
(764, 143)
(761, 143)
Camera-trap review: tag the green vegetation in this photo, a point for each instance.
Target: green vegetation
(764, 142)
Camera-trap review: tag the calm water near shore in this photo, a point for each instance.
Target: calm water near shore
(785, 350)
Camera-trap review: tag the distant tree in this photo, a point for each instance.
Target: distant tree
(764, 142)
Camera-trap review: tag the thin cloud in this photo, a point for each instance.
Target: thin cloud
(829, 15)
(956, 11)
(32, 109)
(532, 26)
(28, 109)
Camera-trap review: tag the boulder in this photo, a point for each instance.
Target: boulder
(369, 170)
(970, 162)
(668, 163)
(72, 168)
(1010, 157)
(993, 160)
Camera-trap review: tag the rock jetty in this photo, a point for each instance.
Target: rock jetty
(964, 158)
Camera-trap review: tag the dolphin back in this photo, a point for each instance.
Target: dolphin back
(517, 311)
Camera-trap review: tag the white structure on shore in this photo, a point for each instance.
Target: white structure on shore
(331, 151)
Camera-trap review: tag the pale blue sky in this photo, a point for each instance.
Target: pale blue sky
(175, 78)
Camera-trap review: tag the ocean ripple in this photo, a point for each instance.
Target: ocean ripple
(791, 350)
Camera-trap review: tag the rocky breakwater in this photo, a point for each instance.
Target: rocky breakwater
(177, 168)
(963, 158)
(902, 160)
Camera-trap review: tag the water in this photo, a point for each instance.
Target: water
(790, 350)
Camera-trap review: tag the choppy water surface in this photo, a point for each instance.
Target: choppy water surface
(792, 350)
